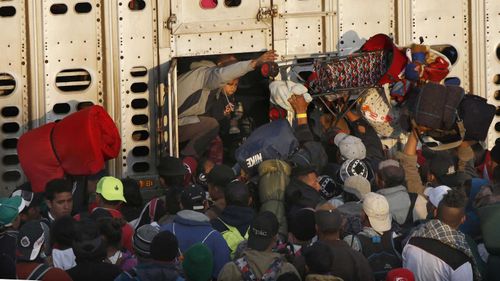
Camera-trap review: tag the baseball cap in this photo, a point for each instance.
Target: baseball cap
(350, 147)
(31, 239)
(443, 167)
(357, 185)
(264, 228)
(193, 197)
(328, 218)
(436, 194)
(301, 170)
(111, 189)
(376, 208)
(400, 274)
(26, 198)
(9, 209)
(220, 175)
(388, 163)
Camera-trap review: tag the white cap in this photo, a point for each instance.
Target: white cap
(376, 208)
(436, 194)
(357, 185)
(350, 147)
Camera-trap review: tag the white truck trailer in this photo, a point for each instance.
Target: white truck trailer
(57, 55)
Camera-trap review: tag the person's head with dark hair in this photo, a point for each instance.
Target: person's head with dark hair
(111, 231)
(88, 244)
(302, 226)
(237, 194)
(328, 222)
(171, 171)
(289, 276)
(62, 233)
(172, 200)
(132, 192)
(451, 209)
(59, 198)
(390, 174)
(319, 258)
(164, 247)
(217, 180)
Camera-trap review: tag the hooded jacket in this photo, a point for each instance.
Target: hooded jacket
(300, 195)
(399, 204)
(191, 227)
(204, 79)
(258, 262)
(239, 217)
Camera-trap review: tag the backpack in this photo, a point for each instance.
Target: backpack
(435, 107)
(271, 273)
(489, 217)
(409, 217)
(233, 237)
(274, 140)
(38, 272)
(380, 253)
(477, 115)
(151, 206)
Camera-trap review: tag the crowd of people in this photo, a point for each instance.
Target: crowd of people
(340, 208)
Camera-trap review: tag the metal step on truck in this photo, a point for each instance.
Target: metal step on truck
(60, 55)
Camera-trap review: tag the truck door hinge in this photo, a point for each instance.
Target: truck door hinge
(267, 12)
(169, 23)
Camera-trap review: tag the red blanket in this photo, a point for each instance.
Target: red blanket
(77, 145)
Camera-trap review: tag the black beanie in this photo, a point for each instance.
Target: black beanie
(164, 246)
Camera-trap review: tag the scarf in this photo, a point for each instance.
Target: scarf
(437, 230)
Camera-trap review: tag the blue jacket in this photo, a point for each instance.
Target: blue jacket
(151, 271)
(191, 227)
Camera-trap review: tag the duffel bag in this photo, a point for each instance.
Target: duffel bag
(274, 140)
(353, 71)
(477, 115)
(435, 106)
(395, 66)
(377, 110)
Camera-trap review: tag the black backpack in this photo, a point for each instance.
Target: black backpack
(380, 253)
(477, 114)
(435, 107)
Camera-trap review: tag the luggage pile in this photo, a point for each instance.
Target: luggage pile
(401, 89)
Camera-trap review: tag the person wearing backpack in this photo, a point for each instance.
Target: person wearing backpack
(192, 226)
(30, 246)
(234, 221)
(438, 250)
(258, 261)
(376, 240)
(405, 207)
